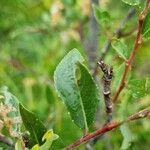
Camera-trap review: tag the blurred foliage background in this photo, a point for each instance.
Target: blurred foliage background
(34, 37)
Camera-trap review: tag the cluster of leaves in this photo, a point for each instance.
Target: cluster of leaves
(30, 36)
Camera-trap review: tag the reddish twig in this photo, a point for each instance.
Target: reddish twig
(144, 113)
(140, 114)
(129, 61)
(108, 127)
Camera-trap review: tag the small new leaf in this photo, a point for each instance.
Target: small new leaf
(48, 137)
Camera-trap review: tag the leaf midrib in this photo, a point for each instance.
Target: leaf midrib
(81, 102)
(28, 122)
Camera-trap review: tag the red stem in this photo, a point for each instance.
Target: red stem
(135, 116)
(129, 61)
(99, 132)
(110, 126)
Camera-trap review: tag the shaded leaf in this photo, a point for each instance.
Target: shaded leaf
(120, 48)
(88, 92)
(146, 27)
(50, 94)
(127, 136)
(132, 2)
(77, 89)
(138, 88)
(33, 125)
(4, 146)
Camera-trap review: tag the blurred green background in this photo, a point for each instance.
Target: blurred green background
(34, 37)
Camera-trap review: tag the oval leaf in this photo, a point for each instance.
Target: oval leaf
(146, 27)
(120, 48)
(102, 16)
(77, 89)
(132, 2)
(33, 125)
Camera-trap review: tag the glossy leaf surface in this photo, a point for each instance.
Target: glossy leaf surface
(77, 89)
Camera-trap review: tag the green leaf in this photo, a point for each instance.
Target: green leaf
(120, 48)
(4, 146)
(127, 135)
(48, 137)
(102, 17)
(77, 89)
(118, 76)
(50, 94)
(138, 88)
(33, 125)
(132, 2)
(146, 27)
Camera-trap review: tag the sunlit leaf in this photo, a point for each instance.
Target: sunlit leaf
(77, 89)
(36, 147)
(48, 137)
(33, 125)
(132, 2)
